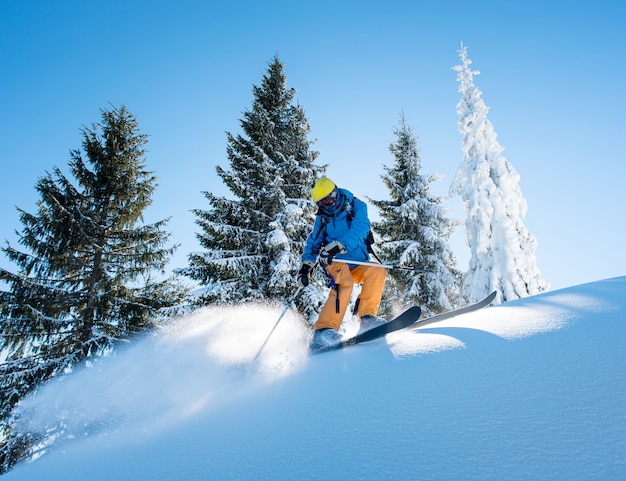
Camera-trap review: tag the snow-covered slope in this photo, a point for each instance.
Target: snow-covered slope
(532, 389)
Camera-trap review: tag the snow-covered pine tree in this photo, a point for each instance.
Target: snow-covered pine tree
(254, 241)
(414, 230)
(502, 249)
(85, 277)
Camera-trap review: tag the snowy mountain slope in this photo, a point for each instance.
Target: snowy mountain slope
(532, 389)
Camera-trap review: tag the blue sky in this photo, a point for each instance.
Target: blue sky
(552, 74)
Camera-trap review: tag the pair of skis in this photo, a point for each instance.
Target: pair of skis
(409, 318)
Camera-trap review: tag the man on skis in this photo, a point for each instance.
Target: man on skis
(341, 231)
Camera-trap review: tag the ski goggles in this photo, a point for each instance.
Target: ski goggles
(329, 200)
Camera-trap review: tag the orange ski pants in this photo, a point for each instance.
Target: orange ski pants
(372, 280)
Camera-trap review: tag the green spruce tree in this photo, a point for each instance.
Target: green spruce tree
(414, 231)
(254, 239)
(85, 274)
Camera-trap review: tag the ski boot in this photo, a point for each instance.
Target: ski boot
(324, 338)
(370, 322)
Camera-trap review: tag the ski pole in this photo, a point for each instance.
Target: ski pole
(386, 266)
(282, 314)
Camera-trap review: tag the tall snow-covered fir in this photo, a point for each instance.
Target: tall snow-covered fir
(254, 239)
(502, 249)
(414, 230)
(85, 277)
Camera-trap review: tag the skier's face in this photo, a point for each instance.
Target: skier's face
(329, 200)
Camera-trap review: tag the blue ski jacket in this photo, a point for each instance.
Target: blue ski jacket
(348, 224)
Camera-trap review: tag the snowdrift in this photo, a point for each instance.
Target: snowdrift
(531, 389)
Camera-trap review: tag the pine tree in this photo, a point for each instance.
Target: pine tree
(414, 230)
(254, 240)
(84, 280)
(502, 250)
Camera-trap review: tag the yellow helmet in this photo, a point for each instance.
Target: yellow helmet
(322, 188)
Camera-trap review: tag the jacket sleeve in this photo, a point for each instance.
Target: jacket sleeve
(360, 227)
(314, 242)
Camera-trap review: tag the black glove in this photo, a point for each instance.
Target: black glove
(304, 274)
(330, 251)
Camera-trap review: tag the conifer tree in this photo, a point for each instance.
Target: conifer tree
(85, 274)
(254, 239)
(502, 249)
(414, 230)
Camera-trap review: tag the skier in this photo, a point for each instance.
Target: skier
(341, 231)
